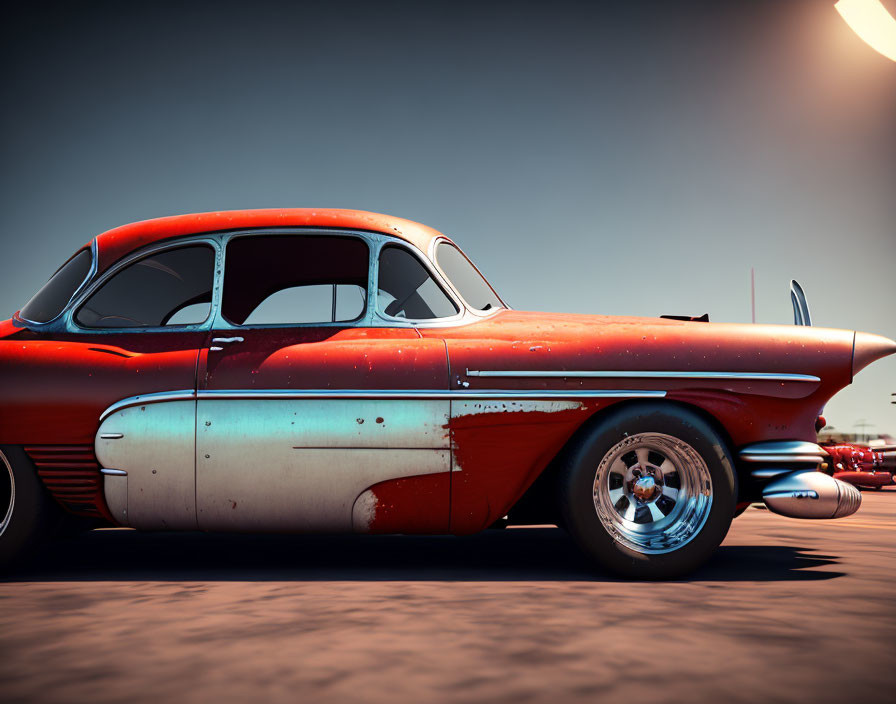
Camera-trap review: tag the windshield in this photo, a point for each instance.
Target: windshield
(52, 299)
(466, 278)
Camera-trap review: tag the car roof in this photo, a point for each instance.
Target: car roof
(120, 241)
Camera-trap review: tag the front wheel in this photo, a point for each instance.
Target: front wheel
(650, 492)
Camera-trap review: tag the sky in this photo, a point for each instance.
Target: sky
(629, 158)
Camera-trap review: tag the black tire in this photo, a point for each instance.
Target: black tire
(584, 480)
(28, 514)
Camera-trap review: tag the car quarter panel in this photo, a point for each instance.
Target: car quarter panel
(56, 387)
(757, 382)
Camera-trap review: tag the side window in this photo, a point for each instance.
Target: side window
(407, 290)
(295, 279)
(173, 287)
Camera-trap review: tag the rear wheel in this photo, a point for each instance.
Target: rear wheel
(650, 493)
(28, 514)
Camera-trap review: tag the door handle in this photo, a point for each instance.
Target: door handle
(217, 341)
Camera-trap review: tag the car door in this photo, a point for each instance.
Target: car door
(313, 413)
(139, 332)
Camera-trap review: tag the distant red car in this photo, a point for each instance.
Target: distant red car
(861, 465)
(327, 370)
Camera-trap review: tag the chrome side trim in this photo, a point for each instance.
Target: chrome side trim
(185, 394)
(459, 395)
(111, 436)
(620, 374)
(782, 451)
(114, 472)
(781, 458)
(764, 473)
(429, 394)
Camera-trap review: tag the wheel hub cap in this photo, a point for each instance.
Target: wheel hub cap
(645, 489)
(652, 493)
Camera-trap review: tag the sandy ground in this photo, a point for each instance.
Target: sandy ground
(787, 611)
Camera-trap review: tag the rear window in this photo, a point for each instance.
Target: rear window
(55, 295)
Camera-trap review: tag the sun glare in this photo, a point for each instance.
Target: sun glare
(871, 21)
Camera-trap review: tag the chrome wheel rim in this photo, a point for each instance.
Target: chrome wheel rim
(7, 492)
(652, 493)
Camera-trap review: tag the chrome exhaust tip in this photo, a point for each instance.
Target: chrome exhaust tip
(811, 494)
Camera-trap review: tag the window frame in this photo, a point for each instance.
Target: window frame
(437, 277)
(79, 300)
(218, 240)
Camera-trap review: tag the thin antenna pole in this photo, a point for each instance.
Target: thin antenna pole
(753, 292)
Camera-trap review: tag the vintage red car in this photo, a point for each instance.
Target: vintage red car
(335, 370)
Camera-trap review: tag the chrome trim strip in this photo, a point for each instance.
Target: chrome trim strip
(781, 458)
(111, 436)
(782, 451)
(620, 374)
(498, 394)
(114, 472)
(427, 394)
(184, 395)
(769, 472)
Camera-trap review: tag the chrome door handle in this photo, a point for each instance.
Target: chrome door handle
(217, 341)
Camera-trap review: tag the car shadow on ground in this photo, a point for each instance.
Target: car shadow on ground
(530, 554)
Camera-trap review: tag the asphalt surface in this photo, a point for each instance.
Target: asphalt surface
(787, 611)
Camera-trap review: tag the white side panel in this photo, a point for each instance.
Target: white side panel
(299, 465)
(155, 444)
(115, 489)
(303, 422)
